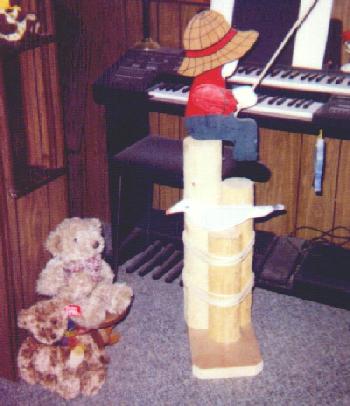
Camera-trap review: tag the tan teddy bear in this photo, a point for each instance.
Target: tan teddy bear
(94, 301)
(66, 360)
(78, 275)
(76, 245)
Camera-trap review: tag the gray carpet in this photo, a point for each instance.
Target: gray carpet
(305, 347)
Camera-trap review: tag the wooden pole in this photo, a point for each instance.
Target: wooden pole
(202, 183)
(222, 338)
(224, 323)
(241, 191)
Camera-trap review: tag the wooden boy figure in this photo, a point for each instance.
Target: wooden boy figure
(212, 50)
(217, 272)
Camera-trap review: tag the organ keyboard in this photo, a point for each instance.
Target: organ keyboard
(305, 96)
(298, 108)
(315, 98)
(296, 79)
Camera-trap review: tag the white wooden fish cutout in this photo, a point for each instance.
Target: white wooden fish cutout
(221, 217)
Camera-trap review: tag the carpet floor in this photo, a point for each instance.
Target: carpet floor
(305, 348)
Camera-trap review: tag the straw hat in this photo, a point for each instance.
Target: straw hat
(209, 42)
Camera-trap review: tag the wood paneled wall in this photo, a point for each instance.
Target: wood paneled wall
(26, 220)
(288, 155)
(91, 36)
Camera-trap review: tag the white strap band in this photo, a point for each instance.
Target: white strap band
(218, 260)
(217, 299)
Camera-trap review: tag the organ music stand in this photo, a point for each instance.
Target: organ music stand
(147, 43)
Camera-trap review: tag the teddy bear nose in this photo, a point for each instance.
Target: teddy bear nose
(95, 244)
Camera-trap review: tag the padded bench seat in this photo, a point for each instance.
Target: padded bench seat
(161, 159)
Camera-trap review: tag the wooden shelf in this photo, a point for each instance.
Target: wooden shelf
(29, 41)
(33, 178)
(24, 178)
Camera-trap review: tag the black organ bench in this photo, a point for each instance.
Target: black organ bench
(152, 159)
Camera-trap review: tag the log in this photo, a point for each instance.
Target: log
(222, 340)
(224, 323)
(241, 191)
(202, 169)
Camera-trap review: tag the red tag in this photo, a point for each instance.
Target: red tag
(346, 36)
(72, 310)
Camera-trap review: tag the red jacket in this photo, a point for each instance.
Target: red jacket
(208, 95)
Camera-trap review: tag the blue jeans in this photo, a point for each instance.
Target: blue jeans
(242, 132)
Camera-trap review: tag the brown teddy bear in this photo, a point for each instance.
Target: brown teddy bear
(61, 356)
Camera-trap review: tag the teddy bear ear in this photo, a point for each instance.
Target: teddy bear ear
(22, 318)
(54, 243)
(96, 223)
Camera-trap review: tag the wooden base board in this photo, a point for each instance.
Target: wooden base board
(211, 360)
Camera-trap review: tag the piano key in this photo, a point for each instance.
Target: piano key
(300, 103)
(272, 100)
(293, 75)
(319, 77)
(272, 106)
(286, 110)
(307, 104)
(178, 86)
(275, 72)
(331, 79)
(305, 76)
(262, 97)
(286, 73)
(280, 101)
(291, 102)
(295, 79)
(169, 94)
(250, 70)
(312, 76)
